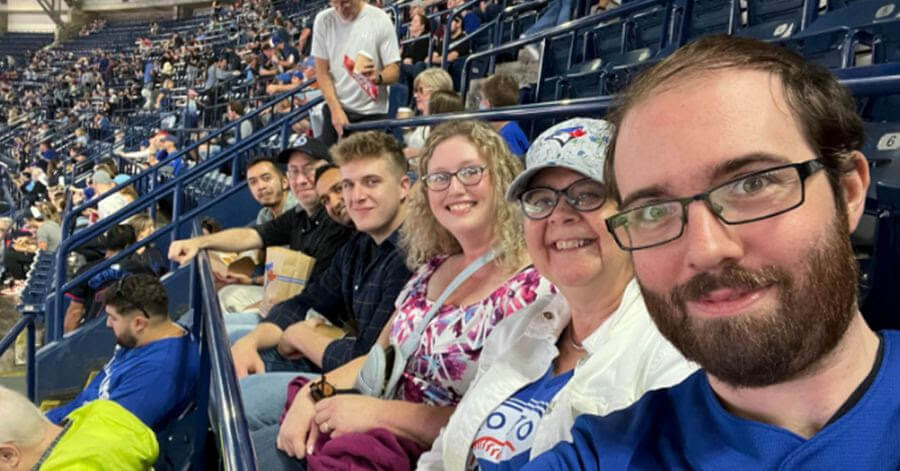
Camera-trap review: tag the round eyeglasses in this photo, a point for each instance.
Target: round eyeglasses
(584, 195)
(759, 195)
(468, 176)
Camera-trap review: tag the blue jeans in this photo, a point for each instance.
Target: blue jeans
(264, 397)
(555, 13)
(239, 324)
(268, 456)
(276, 363)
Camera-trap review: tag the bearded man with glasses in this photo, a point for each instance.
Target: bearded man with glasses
(154, 368)
(737, 168)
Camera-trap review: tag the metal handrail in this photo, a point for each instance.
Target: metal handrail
(26, 322)
(236, 447)
(573, 107)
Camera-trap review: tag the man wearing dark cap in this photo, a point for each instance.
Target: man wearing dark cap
(289, 56)
(84, 299)
(306, 228)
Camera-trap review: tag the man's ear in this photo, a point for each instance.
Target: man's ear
(10, 456)
(855, 185)
(405, 183)
(139, 323)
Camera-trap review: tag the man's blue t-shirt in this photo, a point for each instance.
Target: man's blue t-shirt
(515, 138)
(686, 427)
(153, 382)
(471, 22)
(49, 154)
(148, 72)
(503, 443)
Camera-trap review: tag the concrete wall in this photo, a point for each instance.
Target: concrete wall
(27, 16)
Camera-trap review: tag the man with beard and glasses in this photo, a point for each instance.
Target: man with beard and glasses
(739, 177)
(154, 369)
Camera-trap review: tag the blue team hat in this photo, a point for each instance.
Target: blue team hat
(579, 144)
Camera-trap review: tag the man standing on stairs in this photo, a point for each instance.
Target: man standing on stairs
(357, 54)
(154, 368)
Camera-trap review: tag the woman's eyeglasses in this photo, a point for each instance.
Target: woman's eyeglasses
(468, 176)
(584, 195)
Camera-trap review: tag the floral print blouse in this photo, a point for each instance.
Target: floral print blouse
(445, 362)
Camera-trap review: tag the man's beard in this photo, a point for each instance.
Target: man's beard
(813, 311)
(127, 340)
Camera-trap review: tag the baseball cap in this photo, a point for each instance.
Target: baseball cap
(578, 144)
(100, 176)
(305, 145)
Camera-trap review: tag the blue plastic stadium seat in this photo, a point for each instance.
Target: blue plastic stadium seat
(770, 19)
(882, 149)
(178, 441)
(705, 17)
(834, 38)
(880, 306)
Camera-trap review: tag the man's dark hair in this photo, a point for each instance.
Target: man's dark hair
(321, 170)
(119, 237)
(236, 106)
(210, 224)
(136, 292)
(824, 109)
(263, 159)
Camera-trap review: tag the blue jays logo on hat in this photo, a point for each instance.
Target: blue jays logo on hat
(565, 135)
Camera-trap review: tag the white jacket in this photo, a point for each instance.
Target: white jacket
(626, 357)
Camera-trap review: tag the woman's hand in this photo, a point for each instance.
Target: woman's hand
(348, 413)
(298, 432)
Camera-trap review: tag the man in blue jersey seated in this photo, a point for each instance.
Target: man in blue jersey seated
(154, 369)
(739, 177)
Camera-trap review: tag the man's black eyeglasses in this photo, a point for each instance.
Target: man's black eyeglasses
(122, 294)
(759, 195)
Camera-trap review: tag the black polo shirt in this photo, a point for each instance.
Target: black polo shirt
(318, 236)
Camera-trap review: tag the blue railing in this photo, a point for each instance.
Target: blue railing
(226, 406)
(562, 109)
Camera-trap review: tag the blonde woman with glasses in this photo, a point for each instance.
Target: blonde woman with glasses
(458, 222)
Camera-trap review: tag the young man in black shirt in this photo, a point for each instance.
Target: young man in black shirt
(306, 228)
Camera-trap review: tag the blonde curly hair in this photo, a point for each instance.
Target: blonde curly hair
(423, 237)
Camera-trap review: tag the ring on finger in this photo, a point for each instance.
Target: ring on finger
(325, 427)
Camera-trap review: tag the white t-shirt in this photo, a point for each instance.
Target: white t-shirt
(334, 38)
(111, 204)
